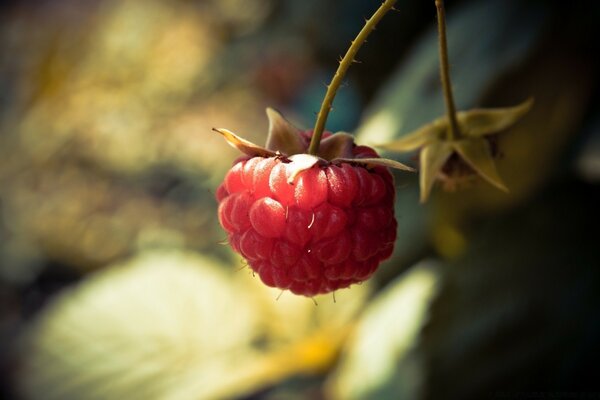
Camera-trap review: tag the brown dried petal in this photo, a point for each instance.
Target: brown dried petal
(376, 162)
(283, 136)
(338, 145)
(244, 145)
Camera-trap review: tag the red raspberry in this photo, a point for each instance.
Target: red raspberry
(328, 229)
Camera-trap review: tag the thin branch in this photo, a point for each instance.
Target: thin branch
(341, 72)
(454, 132)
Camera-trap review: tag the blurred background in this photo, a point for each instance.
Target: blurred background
(114, 283)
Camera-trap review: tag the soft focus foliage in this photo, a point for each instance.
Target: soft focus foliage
(113, 281)
(142, 330)
(157, 327)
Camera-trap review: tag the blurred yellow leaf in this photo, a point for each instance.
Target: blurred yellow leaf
(137, 330)
(175, 325)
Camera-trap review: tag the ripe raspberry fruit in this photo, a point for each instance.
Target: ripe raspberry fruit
(305, 223)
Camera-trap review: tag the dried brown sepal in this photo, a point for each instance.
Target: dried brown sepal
(283, 136)
(338, 145)
(376, 162)
(243, 145)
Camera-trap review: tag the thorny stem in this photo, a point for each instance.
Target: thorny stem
(454, 132)
(341, 72)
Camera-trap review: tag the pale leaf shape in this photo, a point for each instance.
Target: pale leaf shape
(477, 153)
(283, 136)
(432, 158)
(338, 145)
(419, 138)
(146, 329)
(380, 360)
(243, 145)
(296, 319)
(300, 162)
(480, 122)
(377, 162)
(307, 337)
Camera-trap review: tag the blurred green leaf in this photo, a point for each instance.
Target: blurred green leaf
(379, 360)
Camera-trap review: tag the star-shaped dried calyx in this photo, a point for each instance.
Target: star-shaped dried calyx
(286, 141)
(470, 146)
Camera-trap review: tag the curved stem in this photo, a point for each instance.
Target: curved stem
(454, 132)
(341, 72)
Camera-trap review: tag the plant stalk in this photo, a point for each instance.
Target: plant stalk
(341, 72)
(454, 132)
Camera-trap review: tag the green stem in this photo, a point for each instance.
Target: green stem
(454, 132)
(341, 72)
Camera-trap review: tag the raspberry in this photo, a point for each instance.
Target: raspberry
(314, 231)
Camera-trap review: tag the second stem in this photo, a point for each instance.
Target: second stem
(454, 131)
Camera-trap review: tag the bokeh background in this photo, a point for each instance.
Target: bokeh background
(115, 284)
